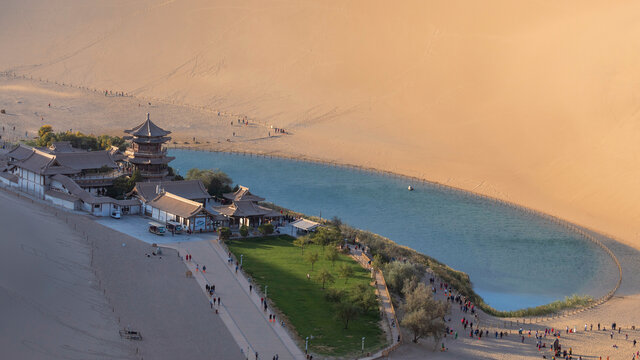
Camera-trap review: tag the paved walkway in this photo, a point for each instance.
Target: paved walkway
(384, 296)
(241, 310)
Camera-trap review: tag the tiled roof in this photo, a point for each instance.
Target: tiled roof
(177, 205)
(242, 194)
(20, 152)
(243, 209)
(148, 129)
(86, 160)
(188, 189)
(75, 190)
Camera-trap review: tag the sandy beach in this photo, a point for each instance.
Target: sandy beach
(60, 306)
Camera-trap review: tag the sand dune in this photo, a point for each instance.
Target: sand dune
(531, 101)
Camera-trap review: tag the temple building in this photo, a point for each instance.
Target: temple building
(188, 189)
(146, 153)
(245, 210)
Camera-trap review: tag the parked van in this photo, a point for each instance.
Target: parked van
(156, 228)
(116, 214)
(174, 227)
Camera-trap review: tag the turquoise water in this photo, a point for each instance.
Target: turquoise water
(514, 259)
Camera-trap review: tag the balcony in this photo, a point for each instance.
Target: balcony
(146, 153)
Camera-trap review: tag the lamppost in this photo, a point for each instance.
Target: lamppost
(241, 256)
(363, 344)
(306, 345)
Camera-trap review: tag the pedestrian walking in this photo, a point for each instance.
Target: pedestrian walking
(250, 287)
(204, 269)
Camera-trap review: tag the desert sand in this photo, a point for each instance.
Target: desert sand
(533, 101)
(63, 297)
(51, 306)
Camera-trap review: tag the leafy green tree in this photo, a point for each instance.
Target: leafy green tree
(45, 129)
(301, 242)
(334, 295)
(312, 258)
(266, 229)
(423, 314)
(324, 276)
(332, 255)
(377, 262)
(244, 230)
(46, 137)
(346, 311)
(364, 296)
(326, 236)
(224, 233)
(397, 273)
(345, 271)
(216, 181)
(135, 177)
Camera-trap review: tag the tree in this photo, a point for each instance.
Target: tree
(325, 276)
(364, 296)
(119, 188)
(345, 272)
(44, 129)
(244, 230)
(225, 233)
(135, 177)
(326, 235)
(124, 184)
(423, 314)
(398, 272)
(216, 181)
(334, 295)
(332, 255)
(46, 137)
(266, 229)
(301, 242)
(378, 262)
(346, 311)
(312, 258)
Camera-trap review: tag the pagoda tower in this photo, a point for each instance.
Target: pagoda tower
(146, 153)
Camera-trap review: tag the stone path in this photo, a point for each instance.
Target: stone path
(241, 309)
(384, 296)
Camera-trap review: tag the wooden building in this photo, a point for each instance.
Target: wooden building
(147, 153)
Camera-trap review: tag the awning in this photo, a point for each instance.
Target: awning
(304, 224)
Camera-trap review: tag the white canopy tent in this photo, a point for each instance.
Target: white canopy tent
(304, 225)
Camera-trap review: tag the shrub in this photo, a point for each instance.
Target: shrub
(334, 295)
(266, 229)
(244, 230)
(225, 233)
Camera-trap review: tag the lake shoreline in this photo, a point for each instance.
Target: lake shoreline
(575, 229)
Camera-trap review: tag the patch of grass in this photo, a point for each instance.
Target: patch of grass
(274, 261)
(460, 281)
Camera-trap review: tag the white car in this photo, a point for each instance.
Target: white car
(115, 214)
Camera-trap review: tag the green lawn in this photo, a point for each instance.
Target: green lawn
(277, 263)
